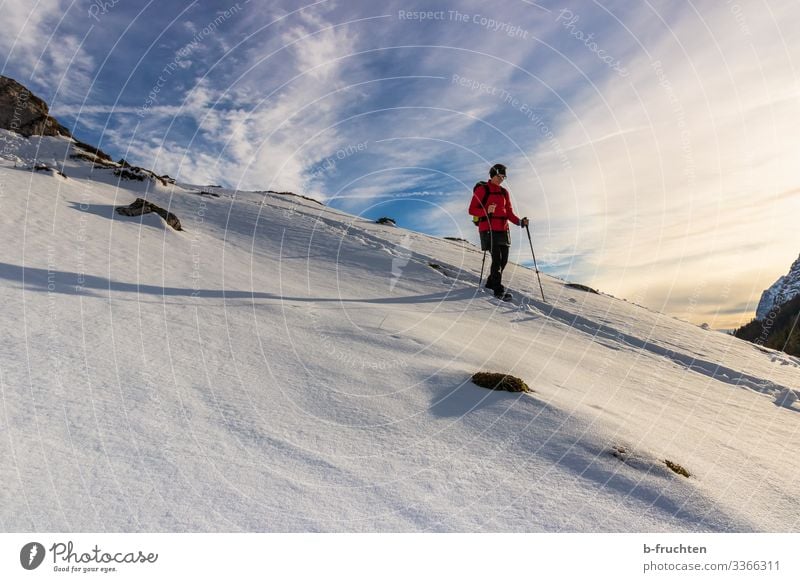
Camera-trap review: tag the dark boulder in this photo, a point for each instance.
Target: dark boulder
(51, 170)
(100, 154)
(141, 206)
(141, 174)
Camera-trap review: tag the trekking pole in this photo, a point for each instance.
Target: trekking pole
(480, 281)
(534, 263)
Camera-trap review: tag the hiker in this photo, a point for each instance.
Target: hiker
(491, 206)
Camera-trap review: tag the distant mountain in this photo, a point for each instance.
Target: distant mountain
(781, 291)
(778, 330)
(775, 325)
(23, 112)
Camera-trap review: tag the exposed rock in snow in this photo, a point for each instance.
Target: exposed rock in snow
(786, 398)
(141, 206)
(23, 112)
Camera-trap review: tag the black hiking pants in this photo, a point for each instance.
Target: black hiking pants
(497, 242)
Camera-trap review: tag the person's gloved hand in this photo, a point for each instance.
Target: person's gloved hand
(491, 208)
(524, 222)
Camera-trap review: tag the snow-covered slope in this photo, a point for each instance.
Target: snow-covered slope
(282, 366)
(784, 289)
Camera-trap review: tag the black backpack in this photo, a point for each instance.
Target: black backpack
(486, 193)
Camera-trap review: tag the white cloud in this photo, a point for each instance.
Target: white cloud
(263, 135)
(39, 45)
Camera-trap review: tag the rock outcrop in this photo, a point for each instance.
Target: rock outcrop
(141, 206)
(23, 112)
(141, 175)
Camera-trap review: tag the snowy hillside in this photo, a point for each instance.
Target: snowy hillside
(281, 366)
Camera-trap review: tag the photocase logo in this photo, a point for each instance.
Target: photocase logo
(32, 555)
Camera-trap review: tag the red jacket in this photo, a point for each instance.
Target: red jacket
(503, 211)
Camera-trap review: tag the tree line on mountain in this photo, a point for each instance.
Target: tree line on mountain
(778, 330)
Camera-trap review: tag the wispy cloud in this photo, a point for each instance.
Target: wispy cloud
(43, 42)
(673, 153)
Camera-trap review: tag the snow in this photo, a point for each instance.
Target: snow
(283, 366)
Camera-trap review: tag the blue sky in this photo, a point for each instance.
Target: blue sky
(654, 145)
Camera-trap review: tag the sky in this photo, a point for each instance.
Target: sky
(653, 145)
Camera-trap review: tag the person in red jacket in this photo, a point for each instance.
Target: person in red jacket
(491, 205)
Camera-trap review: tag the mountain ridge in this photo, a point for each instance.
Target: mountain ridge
(786, 288)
